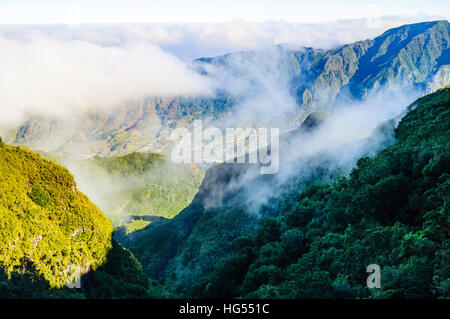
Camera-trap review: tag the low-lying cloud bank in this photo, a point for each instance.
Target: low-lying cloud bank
(50, 76)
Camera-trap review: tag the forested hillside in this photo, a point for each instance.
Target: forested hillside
(411, 58)
(47, 225)
(46, 222)
(136, 186)
(361, 181)
(391, 210)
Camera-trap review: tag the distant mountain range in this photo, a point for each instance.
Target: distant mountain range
(411, 55)
(415, 57)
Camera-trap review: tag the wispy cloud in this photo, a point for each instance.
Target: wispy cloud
(48, 76)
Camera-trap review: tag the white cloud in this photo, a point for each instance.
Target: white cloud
(51, 76)
(54, 68)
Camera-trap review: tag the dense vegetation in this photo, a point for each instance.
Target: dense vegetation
(232, 200)
(314, 238)
(45, 221)
(120, 277)
(136, 186)
(46, 225)
(392, 210)
(322, 230)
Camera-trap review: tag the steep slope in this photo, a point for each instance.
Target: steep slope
(404, 57)
(408, 55)
(137, 185)
(414, 57)
(46, 221)
(140, 127)
(48, 229)
(391, 210)
(233, 198)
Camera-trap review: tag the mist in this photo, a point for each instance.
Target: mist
(122, 195)
(43, 76)
(259, 83)
(352, 131)
(326, 151)
(61, 76)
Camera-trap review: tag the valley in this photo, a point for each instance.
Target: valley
(363, 178)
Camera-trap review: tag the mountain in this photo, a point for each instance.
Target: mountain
(409, 56)
(341, 200)
(47, 226)
(51, 225)
(140, 127)
(136, 186)
(410, 59)
(232, 201)
(316, 238)
(233, 198)
(392, 210)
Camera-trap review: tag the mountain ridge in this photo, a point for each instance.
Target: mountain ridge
(397, 196)
(317, 80)
(51, 232)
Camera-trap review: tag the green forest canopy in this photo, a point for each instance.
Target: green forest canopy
(393, 210)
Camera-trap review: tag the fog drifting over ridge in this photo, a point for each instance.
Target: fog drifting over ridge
(362, 128)
(49, 77)
(56, 70)
(62, 69)
(50, 72)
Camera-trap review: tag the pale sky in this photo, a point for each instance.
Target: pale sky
(210, 11)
